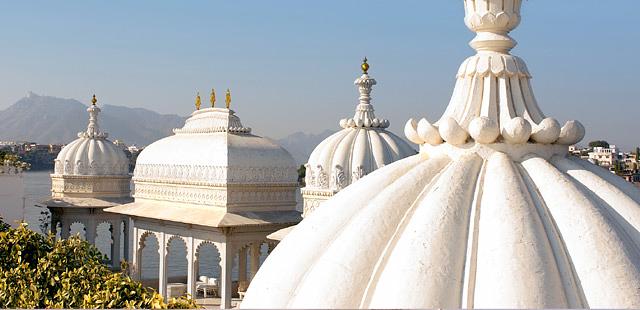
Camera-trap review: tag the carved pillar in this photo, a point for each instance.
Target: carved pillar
(162, 274)
(192, 276)
(136, 264)
(115, 246)
(255, 259)
(130, 239)
(65, 226)
(226, 262)
(242, 265)
(90, 231)
(54, 224)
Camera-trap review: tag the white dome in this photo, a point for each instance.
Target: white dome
(498, 216)
(362, 146)
(92, 154)
(212, 150)
(91, 166)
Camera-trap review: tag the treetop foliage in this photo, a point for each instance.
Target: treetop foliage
(40, 272)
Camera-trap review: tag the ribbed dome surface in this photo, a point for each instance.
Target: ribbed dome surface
(92, 153)
(465, 232)
(362, 146)
(492, 213)
(356, 152)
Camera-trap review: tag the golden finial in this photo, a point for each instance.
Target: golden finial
(364, 66)
(94, 100)
(212, 99)
(228, 98)
(198, 102)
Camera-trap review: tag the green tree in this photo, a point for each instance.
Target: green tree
(598, 143)
(40, 272)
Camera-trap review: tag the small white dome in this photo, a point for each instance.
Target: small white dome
(92, 154)
(212, 150)
(362, 146)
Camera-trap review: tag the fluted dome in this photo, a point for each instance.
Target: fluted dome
(362, 146)
(492, 213)
(91, 166)
(92, 153)
(212, 151)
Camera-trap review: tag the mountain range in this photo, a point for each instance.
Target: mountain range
(52, 120)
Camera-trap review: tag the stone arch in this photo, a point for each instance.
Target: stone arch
(207, 263)
(78, 228)
(143, 237)
(104, 238)
(177, 259)
(148, 259)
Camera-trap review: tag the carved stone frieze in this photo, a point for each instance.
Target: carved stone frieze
(212, 175)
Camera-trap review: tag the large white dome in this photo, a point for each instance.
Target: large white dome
(492, 213)
(362, 146)
(212, 150)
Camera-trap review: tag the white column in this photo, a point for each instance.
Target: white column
(162, 274)
(134, 268)
(255, 259)
(130, 239)
(65, 225)
(226, 256)
(115, 246)
(90, 231)
(242, 265)
(191, 268)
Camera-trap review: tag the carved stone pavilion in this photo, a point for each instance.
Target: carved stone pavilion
(91, 174)
(493, 212)
(211, 183)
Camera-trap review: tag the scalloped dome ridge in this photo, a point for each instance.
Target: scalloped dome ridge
(92, 154)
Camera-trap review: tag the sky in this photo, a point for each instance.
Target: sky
(291, 64)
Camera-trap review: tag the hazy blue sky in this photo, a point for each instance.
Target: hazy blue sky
(291, 64)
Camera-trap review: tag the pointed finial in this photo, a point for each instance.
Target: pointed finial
(198, 102)
(228, 98)
(212, 99)
(364, 66)
(94, 100)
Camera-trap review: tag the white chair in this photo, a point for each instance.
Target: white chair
(207, 284)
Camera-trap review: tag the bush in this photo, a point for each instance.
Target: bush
(40, 272)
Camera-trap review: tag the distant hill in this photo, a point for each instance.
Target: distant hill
(45, 119)
(300, 144)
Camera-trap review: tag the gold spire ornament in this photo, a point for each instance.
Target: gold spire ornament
(364, 66)
(94, 100)
(212, 99)
(198, 102)
(228, 98)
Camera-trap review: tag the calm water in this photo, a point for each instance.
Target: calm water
(38, 188)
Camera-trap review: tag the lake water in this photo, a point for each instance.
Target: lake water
(37, 187)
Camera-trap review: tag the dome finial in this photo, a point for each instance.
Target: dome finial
(228, 98)
(94, 100)
(212, 98)
(198, 101)
(364, 66)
